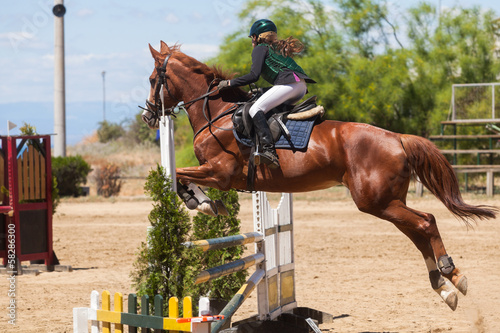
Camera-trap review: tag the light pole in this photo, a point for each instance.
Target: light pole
(103, 96)
(59, 82)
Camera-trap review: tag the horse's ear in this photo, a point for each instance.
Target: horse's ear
(164, 49)
(154, 53)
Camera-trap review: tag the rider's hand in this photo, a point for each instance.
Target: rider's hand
(224, 84)
(150, 119)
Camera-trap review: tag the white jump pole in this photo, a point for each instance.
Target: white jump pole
(167, 144)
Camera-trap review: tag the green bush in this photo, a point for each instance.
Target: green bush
(108, 131)
(56, 199)
(139, 132)
(70, 172)
(164, 266)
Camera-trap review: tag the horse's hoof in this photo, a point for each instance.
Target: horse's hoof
(208, 208)
(221, 208)
(448, 294)
(452, 300)
(462, 285)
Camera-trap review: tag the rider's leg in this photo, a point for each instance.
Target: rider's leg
(268, 154)
(270, 99)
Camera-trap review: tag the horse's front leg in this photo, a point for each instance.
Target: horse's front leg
(193, 196)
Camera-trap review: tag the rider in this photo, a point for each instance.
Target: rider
(272, 58)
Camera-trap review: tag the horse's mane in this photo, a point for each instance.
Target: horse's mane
(215, 71)
(210, 73)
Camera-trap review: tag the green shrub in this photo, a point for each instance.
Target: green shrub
(56, 199)
(70, 172)
(28, 129)
(108, 131)
(164, 266)
(139, 132)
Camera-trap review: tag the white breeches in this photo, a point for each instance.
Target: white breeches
(279, 94)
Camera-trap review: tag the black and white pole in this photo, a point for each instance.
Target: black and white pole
(59, 81)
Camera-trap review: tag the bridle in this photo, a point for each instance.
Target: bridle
(158, 96)
(173, 110)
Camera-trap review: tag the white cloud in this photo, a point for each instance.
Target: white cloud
(85, 12)
(172, 18)
(197, 16)
(200, 51)
(15, 39)
(16, 35)
(80, 59)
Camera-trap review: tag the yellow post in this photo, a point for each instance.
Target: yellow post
(118, 308)
(106, 305)
(187, 307)
(173, 309)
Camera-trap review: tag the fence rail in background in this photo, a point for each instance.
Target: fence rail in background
(480, 91)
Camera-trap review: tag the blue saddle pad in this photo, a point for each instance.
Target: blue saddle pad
(300, 132)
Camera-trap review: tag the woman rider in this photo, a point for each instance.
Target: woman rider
(271, 58)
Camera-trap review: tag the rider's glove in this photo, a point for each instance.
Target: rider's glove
(223, 84)
(150, 119)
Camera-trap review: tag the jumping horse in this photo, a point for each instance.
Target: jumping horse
(376, 165)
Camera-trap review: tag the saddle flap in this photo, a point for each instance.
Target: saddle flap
(243, 122)
(278, 122)
(305, 105)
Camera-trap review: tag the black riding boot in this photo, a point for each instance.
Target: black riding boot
(268, 154)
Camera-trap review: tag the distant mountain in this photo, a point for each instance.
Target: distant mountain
(82, 118)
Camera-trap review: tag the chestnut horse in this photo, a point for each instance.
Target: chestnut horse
(376, 165)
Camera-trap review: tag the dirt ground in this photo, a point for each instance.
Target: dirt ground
(360, 269)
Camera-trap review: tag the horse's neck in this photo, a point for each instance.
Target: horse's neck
(199, 115)
(218, 102)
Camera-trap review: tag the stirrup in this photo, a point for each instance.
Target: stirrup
(267, 158)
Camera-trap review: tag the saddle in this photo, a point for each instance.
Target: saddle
(278, 120)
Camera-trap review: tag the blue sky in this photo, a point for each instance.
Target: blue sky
(111, 36)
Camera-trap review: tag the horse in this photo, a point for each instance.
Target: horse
(376, 165)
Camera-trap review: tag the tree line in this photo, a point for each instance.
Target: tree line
(372, 66)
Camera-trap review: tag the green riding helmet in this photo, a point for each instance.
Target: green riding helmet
(263, 25)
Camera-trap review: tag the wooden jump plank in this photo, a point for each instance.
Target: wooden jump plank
(31, 171)
(470, 151)
(23, 176)
(36, 170)
(470, 121)
(447, 137)
(2, 178)
(491, 166)
(43, 179)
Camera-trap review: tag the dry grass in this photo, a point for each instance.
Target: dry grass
(134, 160)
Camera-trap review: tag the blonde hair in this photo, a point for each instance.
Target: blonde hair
(287, 47)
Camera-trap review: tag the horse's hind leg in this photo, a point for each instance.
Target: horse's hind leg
(422, 230)
(440, 285)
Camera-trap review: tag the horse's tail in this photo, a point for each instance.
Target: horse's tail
(437, 175)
